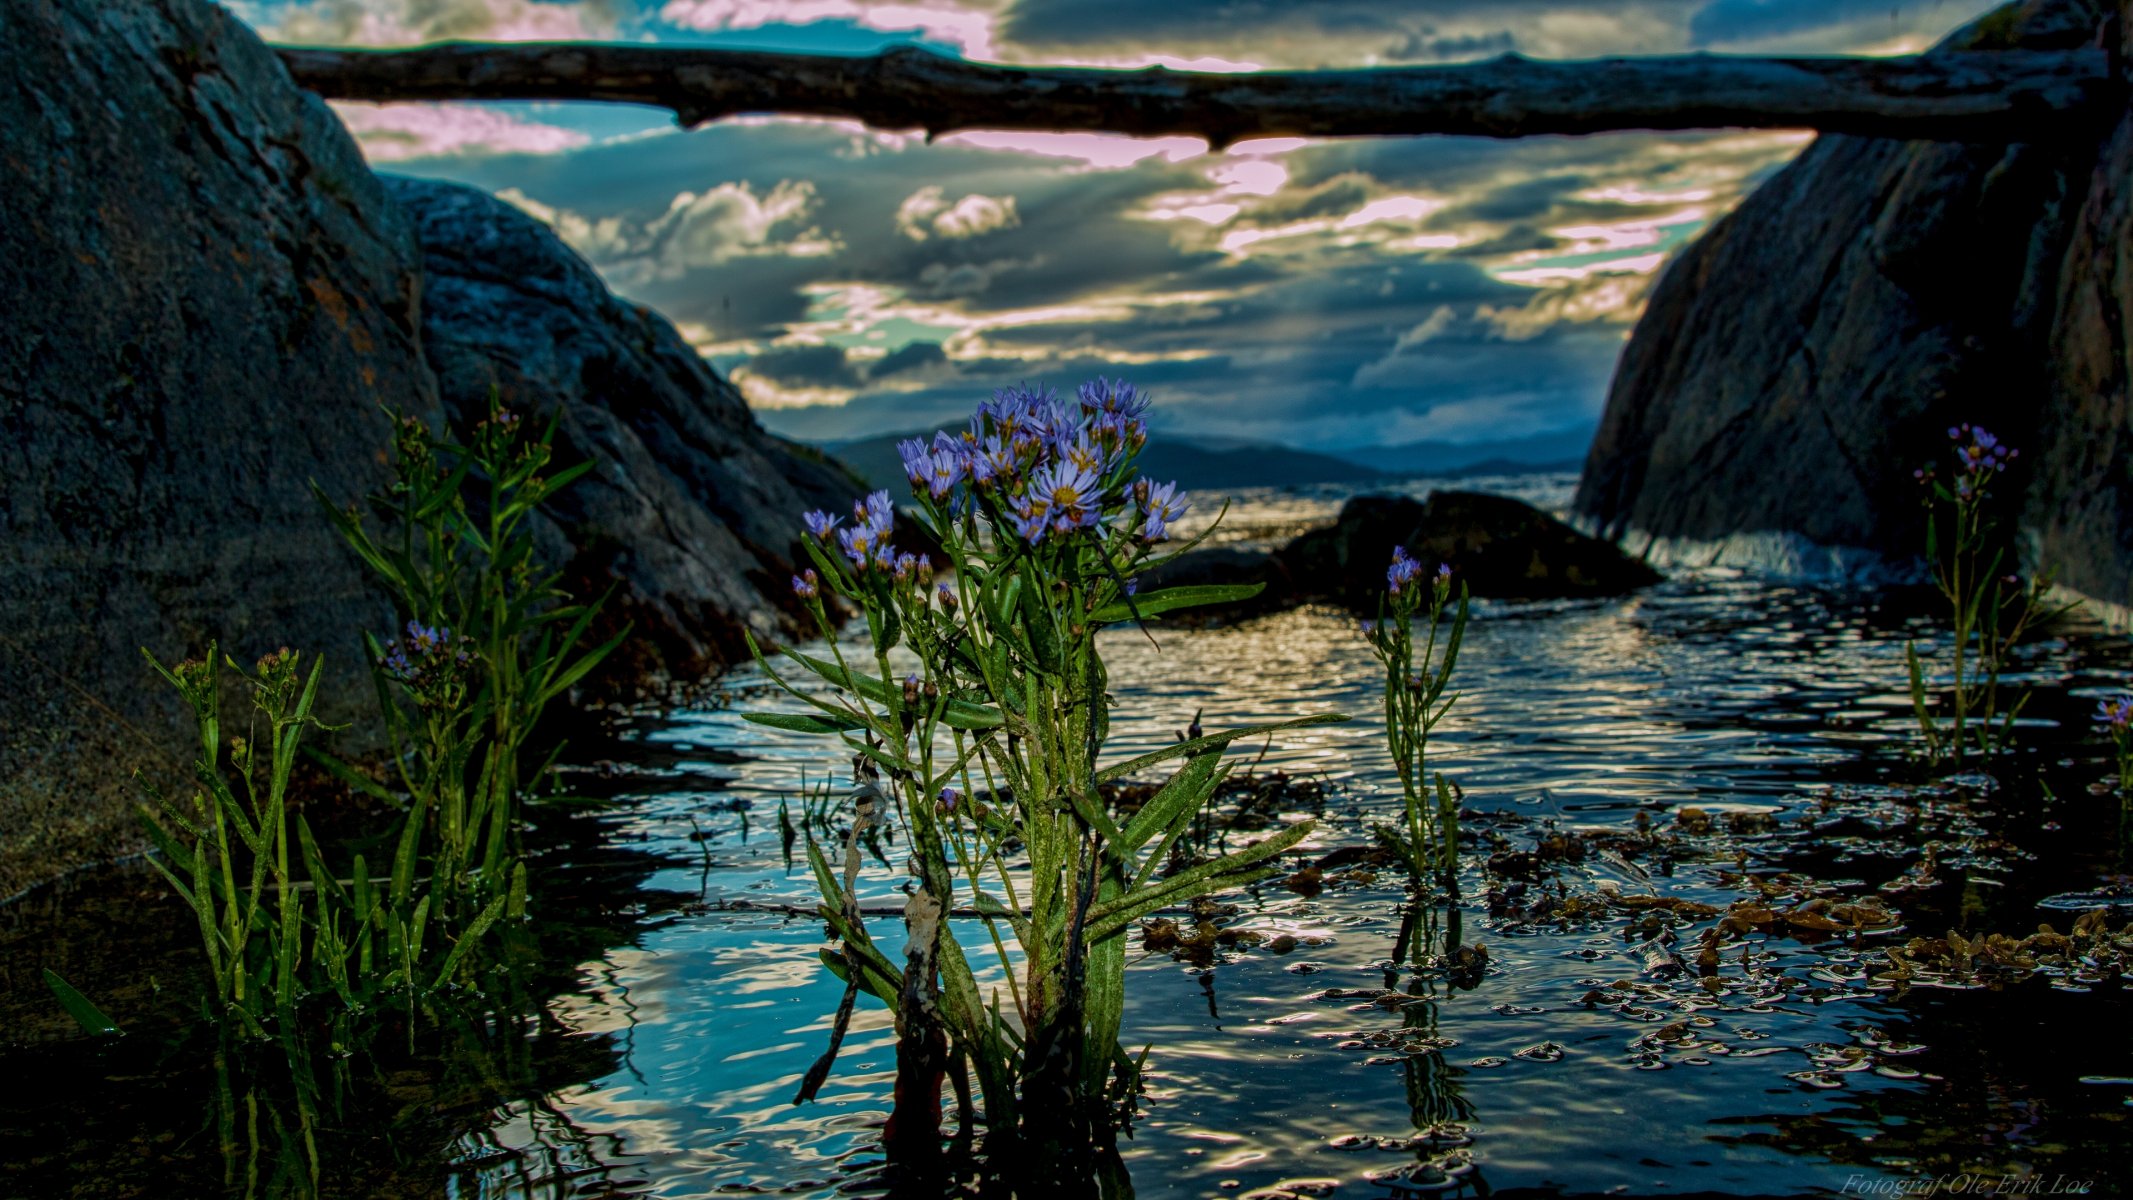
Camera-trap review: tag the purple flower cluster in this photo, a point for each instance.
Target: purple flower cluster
(1978, 457)
(1403, 571)
(866, 541)
(428, 657)
(1045, 467)
(2116, 712)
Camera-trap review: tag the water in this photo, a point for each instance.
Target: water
(665, 1063)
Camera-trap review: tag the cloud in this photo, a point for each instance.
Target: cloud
(926, 212)
(413, 22)
(1323, 293)
(967, 27)
(916, 357)
(697, 230)
(398, 132)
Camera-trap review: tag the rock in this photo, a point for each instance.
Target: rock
(1499, 547)
(207, 297)
(1803, 357)
(694, 508)
(2080, 502)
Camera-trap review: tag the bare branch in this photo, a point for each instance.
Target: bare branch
(1995, 96)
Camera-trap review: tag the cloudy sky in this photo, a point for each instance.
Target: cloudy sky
(1324, 294)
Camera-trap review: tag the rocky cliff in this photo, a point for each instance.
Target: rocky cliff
(207, 299)
(1802, 358)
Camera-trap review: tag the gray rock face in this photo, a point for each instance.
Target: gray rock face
(2081, 497)
(1810, 351)
(206, 297)
(694, 508)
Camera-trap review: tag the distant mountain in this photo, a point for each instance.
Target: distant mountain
(1562, 448)
(1196, 467)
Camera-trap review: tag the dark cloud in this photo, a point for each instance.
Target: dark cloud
(914, 357)
(1722, 21)
(1424, 45)
(805, 367)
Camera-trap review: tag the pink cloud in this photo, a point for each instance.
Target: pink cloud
(392, 132)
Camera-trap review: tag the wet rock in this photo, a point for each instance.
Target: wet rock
(1499, 547)
(694, 508)
(207, 298)
(1803, 356)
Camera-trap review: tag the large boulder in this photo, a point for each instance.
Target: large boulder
(1802, 358)
(207, 297)
(694, 509)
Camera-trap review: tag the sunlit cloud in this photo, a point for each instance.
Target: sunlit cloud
(1105, 151)
(1640, 264)
(398, 132)
(414, 22)
(927, 212)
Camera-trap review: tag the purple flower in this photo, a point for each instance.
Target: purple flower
(1078, 449)
(1162, 507)
(992, 459)
(1444, 572)
(1030, 523)
(1116, 397)
(1133, 586)
(950, 797)
(806, 584)
(2116, 712)
(866, 543)
(1065, 495)
(1403, 571)
(918, 461)
(940, 469)
(879, 510)
(947, 597)
(821, 523)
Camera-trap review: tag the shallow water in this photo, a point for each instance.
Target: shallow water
(698, 1005)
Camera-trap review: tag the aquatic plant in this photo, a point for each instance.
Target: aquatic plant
(490, 639)
(986, 745)
(2115, 716)
(1990, 608)
(1414, 705)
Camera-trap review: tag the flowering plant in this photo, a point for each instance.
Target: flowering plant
(987, 742)
(1990, 608)
(1414, 704)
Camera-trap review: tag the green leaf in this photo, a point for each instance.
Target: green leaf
(1174, 598)
(340, 769)
(468, 940)
(801, 722)
(91, 1018)
(1177, 801)
(1201, 745)
(1237, 867)
(957, 714)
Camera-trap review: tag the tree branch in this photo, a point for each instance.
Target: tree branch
(1983, 96)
